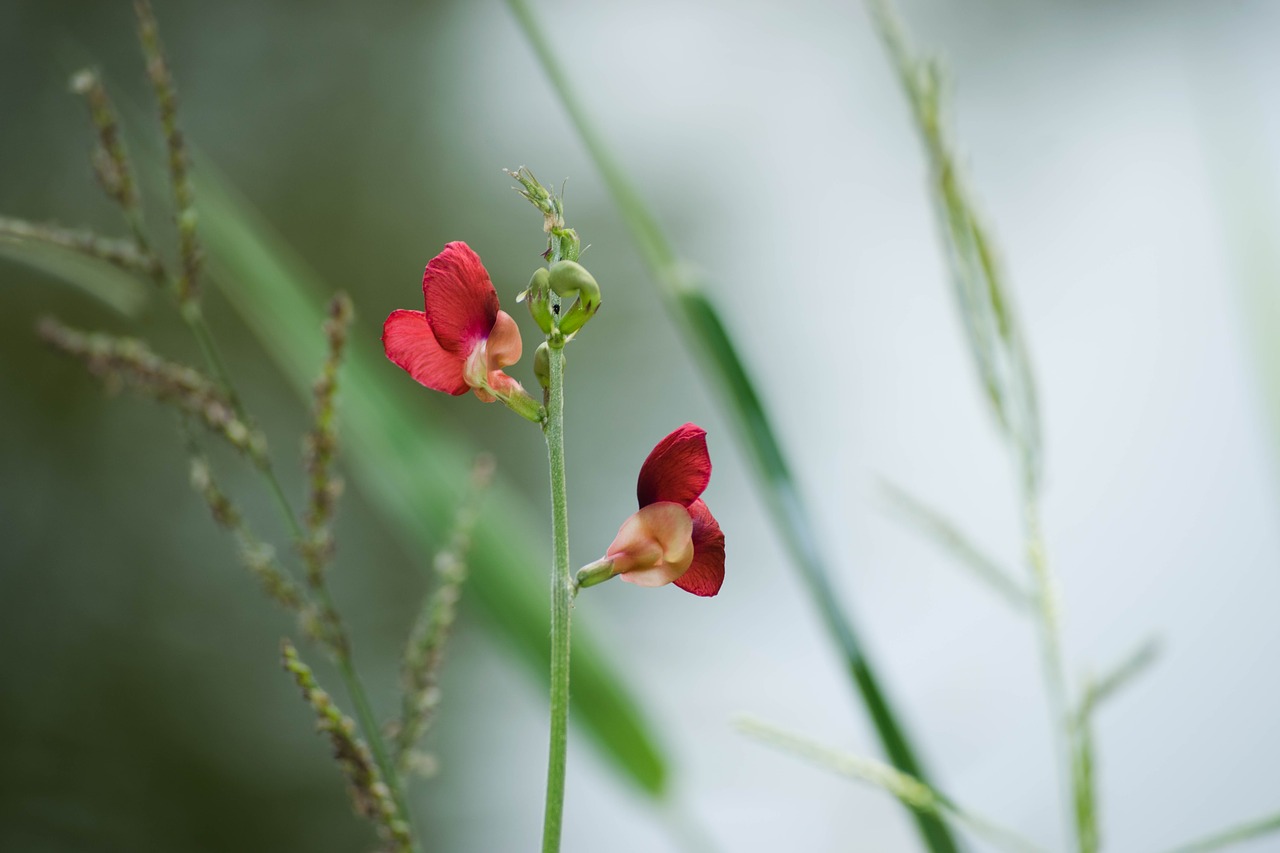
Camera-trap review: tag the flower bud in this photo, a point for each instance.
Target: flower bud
(569, 279)
(538, 295)
(542, 364)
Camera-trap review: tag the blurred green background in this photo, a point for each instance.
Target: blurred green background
(1128, 159)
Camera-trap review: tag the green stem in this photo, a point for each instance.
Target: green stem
(561, 607)
(718, 352)
(1236, 835)
(341, 647)
(1063, 729)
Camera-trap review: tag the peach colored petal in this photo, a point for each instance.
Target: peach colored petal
(505, 345)
(503, 384)
(654, 546)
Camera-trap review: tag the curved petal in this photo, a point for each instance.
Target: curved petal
(706, 573)
(505, 345)
(504, 384)
(654, 546)
(408, 341)
(460, 300)
(677, 470)
(500, 385)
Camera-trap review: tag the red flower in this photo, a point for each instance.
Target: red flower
(462, 340)
(673, 538)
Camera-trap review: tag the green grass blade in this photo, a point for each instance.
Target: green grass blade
(414, 472)
(995, 337)
(904, 787)
(689, 306)
(949, 537)
(1235, 835)
(1135, 664)
(109, 284)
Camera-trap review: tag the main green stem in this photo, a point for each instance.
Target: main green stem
(561, 607)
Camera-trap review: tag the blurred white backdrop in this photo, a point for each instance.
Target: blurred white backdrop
(1091, 132)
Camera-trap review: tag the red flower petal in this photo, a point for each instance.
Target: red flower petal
(461, 303)
(706, 572)
(408, 341)
(677, 470)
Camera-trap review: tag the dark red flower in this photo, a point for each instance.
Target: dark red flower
(673, 538)
(462, 340)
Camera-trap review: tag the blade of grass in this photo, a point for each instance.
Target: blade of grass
(414, 472)
(995, 337)
(1235, 835)
(110, 285)
(1004, 367)
(1121, 675)
(688, 305)
(907, 789)
(946, 534)
(1083, 750)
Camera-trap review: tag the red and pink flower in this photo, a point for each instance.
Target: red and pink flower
(673, 538)
(462, 340)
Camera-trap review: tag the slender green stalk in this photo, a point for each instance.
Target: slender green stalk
(1074, 759)
(689, 306)
(1000, 354)
(1235, 835)
(904, 787)
(561, 607)
(186, 291)
(945, 532)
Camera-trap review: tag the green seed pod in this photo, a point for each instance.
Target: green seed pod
(542, 364)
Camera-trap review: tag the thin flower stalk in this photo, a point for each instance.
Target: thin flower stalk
(562, 593)
(1000, 354)
(123, 254)
(720, 355)
(186, 292)
(904, 787)
(1268, 825)
(370, 793)
(948, 535)
(425, 653)
(130, 362)
(257, 556)
(321, 445)
(188, 284)
(110, 159)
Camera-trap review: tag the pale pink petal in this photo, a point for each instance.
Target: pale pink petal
(654, 546)
(504, 342)
(677, 470)
(408, 341)
(504, 384)
(460, 300)
(706, 573)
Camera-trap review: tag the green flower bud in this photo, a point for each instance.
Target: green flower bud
(538, 295)
(542, 364)
(569, 279)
